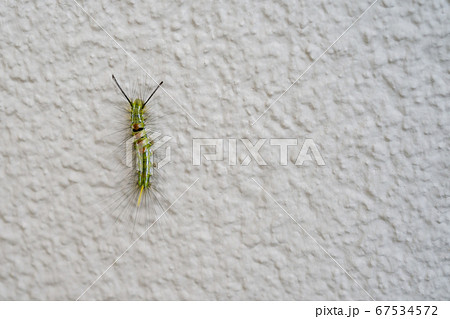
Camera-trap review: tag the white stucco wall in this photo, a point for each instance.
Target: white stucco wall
(376, 105)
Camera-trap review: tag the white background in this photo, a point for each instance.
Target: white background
(207, 309)
(376, 105)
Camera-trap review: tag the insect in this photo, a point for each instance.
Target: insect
(142, 144)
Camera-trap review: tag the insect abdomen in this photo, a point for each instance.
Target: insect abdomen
(142, 146)
(144, 161)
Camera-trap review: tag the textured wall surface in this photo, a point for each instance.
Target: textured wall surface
(376, 105)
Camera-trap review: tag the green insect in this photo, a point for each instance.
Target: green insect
(141, 144)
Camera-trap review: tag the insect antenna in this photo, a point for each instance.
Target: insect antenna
(114, 78)
(153, 93)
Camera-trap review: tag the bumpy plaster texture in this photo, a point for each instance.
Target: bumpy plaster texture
(376, 105)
